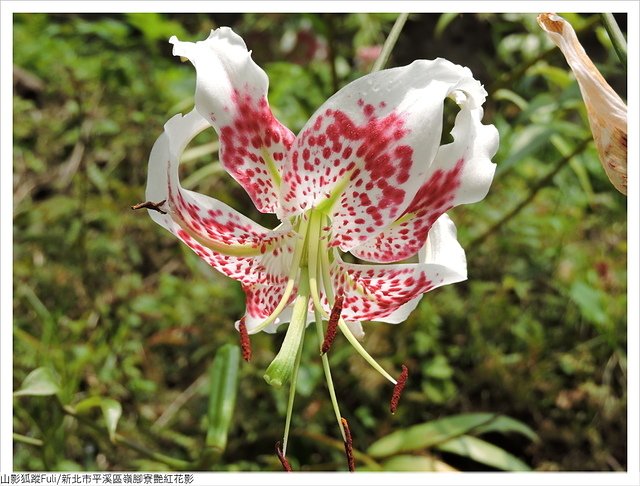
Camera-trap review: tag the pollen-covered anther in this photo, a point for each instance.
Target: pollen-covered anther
(397, 390)
(348, 445)
(283, 460)
(245, 342)
(332, 327)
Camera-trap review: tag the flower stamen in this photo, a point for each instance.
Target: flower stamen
(325, 264)
(348, 445)
(327, 374)
(363, 352)
(245, 342)
(397, 390)
(332, 327)
(283, 459)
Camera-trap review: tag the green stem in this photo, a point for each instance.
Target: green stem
(292, 395)
(27, 440)
(318, 272)
(616, 36)
(390, 42)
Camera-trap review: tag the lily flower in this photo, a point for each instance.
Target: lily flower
(606, 111)
(366, 175)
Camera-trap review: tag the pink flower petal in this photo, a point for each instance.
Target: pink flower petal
(231, 94)
(461, 173)
(389, 293)
(224, 238)
(368, 149)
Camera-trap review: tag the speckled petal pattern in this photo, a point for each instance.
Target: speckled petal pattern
(231, 94)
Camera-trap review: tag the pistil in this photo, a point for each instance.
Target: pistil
(281, 368)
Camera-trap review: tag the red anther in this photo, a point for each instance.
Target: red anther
(397, 390)
(245, 343)
(348, 445)
(283, 460)
(332, 327)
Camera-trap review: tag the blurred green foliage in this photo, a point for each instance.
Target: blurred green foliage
(116, 324)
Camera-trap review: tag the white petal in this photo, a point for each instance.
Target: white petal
(231, 94)
(224, 238)
(369, 148)
(356, 329)
(461, 173)
(441, 248)
(252, 321)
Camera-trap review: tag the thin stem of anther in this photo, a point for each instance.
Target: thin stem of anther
(327, 375)
(332, 326)
(348, 445)
(245, 342)
(150, 205)
(363, 352)
(397, 390)
(283, 459)
(295, 265)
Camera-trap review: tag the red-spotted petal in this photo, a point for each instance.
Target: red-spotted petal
(367, 151)
(460, 174)
(442, 247)
(231, 94)
(224, 238)
(388, 293)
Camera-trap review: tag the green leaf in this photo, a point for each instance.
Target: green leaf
(427, 434)
(155, 26)
(526, 142)
(223, 386)
(111, 410)
(438, 368)
(516, 99)
(85, 405)
(41, 382)
(559, 76)
(590, 302)
(483, 452)
(416, 464)
(444, 20)
(505, 425)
